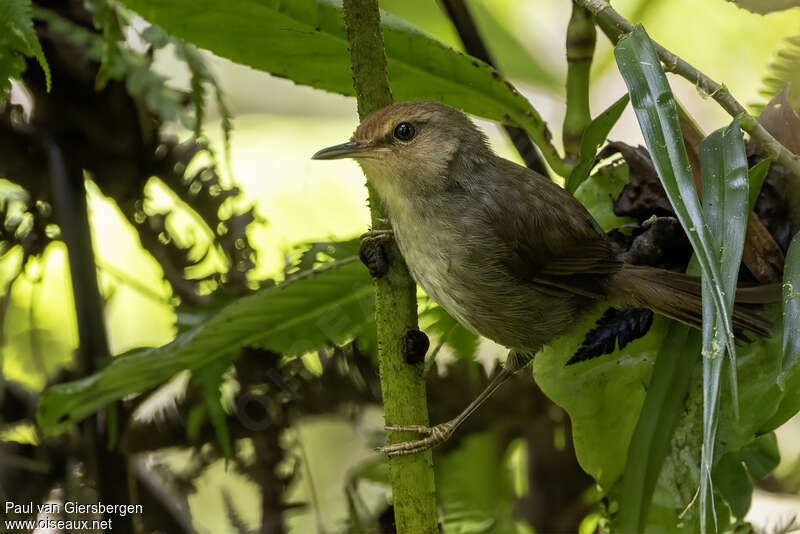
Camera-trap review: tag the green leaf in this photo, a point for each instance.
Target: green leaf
(737, 471)
(121, 64)
(598, 193)
(474, 487)
(658, 118)
(594, 136)
(495, 24)
(304, 40)
(756, 176)
(661, 411)
(435, 320)
(734, 483)
(209, 378)
(106, 19)
(612, 389)
(723, 163)
(311, 310)
(781, 71)
(790, 350)
(17, 36)
(766, 6)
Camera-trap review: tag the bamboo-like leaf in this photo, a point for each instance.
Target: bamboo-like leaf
(658, 118)
(209, 378)
(304, 40)
(661, 411)
(594, 136)
(723, 163)
(790, 353)
(756, 176)
(330, 304)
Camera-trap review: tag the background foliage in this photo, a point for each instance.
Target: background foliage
(262, 382)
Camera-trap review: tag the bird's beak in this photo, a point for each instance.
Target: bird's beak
(351, 149)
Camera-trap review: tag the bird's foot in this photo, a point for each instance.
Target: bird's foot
(434, 435)
(380, 236)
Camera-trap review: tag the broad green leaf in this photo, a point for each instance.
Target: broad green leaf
(723, 163)
(474, 488)
(594, 136)
(494, 23)
(327, 305)
(17, 36)
(304, 40)
(612, 389)
(658, 118)
(662, 409)
(761, 456)
(756, 176)
(790, 351)
(733, 482)
(597, 195)
(736, 472)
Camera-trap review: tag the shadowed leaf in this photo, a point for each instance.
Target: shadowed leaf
(328, 305)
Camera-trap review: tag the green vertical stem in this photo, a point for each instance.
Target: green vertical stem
(402, 385)
(581, 40)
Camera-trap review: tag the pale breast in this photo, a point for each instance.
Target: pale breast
(460, 270)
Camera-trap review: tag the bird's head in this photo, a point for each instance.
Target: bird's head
(410, 148)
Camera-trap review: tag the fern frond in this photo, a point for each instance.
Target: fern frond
(17, 36)
(784, 68)
(201, 79)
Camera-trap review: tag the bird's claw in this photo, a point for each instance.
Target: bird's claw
(381, 236)
(435, 435)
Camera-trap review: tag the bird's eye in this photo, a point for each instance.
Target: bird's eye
(404, 131)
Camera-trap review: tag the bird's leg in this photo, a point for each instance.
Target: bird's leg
(438, 434)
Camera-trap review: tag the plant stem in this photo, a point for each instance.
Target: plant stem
(581, 39)
(615, 25)
(66, 179)
(402, 385)
(464, 24)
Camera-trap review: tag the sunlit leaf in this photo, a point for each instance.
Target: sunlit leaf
(328, 305)
(304, 40)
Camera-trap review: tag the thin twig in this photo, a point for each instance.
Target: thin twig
(615, 26)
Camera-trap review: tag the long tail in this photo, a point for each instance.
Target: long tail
(678, 296)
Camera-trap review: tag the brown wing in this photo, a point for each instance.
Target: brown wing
(552, 241)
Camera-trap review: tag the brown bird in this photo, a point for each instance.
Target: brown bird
(507, 252)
